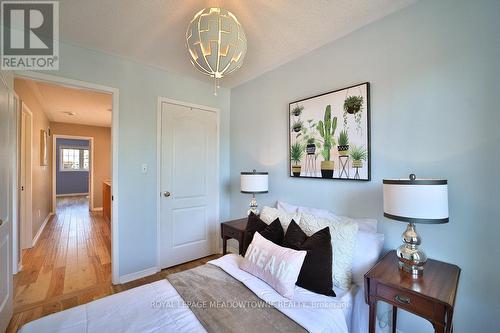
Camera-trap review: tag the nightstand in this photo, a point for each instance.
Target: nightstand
(233, 229)
(430, 296)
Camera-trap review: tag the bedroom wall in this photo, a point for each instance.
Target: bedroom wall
(102, 152)
(140, 85)
(434, 75)
(41, 175)
(71, 182)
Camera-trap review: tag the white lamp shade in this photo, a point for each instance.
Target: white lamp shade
(418, 201)
(254, 182)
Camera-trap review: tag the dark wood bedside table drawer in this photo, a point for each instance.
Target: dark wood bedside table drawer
(406, 301)
(232, 233)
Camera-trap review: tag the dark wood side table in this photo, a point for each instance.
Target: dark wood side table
(431, 296)
(233, 229)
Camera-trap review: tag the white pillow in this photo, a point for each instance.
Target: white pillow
(369, 225)
(366, 253)
(269, 214)
(318, 212)
(343, 242)
(278, 266)
(286, 207)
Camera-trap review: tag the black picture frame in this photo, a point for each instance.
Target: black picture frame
(363, 140)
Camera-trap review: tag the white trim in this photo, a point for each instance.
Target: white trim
(97, 209)
(71, 195)
(27, 223)
(54, 166)
(16, 256)
(40, 230)
(115, 256)
(161, 100)
(137, 275)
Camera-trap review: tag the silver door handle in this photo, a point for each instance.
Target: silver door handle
(166, 194)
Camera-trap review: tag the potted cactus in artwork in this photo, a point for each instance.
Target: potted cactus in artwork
(358, 155)
(326, 129)
(343, 143)
(296, 154)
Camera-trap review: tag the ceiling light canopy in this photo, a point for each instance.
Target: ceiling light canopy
(216, 42)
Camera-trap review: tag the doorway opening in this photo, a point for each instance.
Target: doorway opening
(74, 145)
(72, 172)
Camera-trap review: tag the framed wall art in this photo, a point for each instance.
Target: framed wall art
(329, 135)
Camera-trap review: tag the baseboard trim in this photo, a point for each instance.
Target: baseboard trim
(97, 209)
(137, 275)
(71, 194)
(40, 230)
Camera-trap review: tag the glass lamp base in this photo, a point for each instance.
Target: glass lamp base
(411, 258)
(253, 207)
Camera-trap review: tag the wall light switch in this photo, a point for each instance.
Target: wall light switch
(144, 168)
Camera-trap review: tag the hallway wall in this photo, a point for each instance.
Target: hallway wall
(42, 175)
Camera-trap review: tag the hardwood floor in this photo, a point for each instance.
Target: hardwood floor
(71, 265)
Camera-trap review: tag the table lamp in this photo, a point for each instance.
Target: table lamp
(415, 201)
(253, 182)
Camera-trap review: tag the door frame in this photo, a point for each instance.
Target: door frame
(115, 92)
(90, 139)
(162, 100)
(16, 226)
(26, 217)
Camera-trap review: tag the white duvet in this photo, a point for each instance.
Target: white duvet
(148, 309)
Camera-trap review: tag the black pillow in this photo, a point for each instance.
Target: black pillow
(272, 232)
(316, 272)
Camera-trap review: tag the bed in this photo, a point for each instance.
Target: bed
(159, 306)
(149, 308)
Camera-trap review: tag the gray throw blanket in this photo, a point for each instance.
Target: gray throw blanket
(223, 304)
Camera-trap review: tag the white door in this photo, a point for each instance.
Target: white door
(5, 216)
(189, 185)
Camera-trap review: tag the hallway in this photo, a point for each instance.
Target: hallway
(69, 265)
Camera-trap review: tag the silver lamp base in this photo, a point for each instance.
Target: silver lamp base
(411, 258)
(253, 207)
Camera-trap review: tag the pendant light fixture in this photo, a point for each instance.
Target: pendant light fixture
(216, 43)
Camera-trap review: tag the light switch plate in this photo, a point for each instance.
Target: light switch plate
(144, 168)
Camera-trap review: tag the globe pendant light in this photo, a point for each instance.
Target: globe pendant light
(216, 43)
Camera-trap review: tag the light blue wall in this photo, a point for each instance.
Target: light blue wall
(140, 86)
(434, 70)
(69, 182)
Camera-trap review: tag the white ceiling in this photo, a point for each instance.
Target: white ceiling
(153, 31)
(89, 107)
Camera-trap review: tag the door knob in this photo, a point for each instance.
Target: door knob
(1, 222)
(166, 194)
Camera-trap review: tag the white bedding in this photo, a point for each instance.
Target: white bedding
(143, 309)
